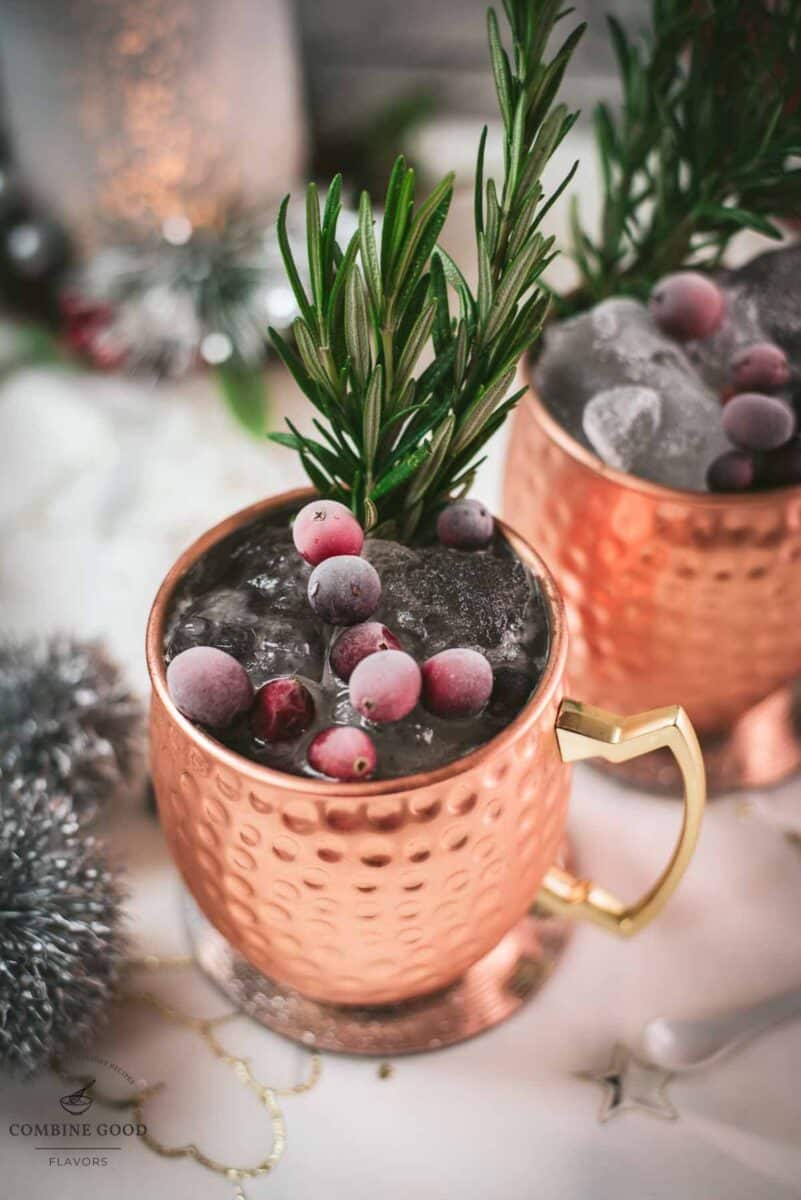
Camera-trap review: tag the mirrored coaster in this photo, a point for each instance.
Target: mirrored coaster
(489, 992)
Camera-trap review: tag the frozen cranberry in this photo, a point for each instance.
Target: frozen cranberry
(283, 709)
(754, 421)
(465, 525)
(209, 686)
(356, 643)
(385, 686)
(456, 683)
(344, 590)
(733, 471)
(343, 752)
(761, 366)
(687, 305)
(782, 467)
(326, 528)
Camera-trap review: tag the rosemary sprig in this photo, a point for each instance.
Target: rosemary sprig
(702, 146)
(396, 439)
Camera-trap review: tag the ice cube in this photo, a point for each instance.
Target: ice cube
(621, 424)
(436, 597)
(266, 640)
(222, 619)
(287, 645)
(271, 565)
(617, 344)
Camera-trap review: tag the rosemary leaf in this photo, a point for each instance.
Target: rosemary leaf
(357, 327)
(393, 440)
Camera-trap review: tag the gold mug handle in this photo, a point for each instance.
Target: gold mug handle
(585, 732)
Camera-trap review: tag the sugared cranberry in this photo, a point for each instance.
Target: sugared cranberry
(733, 471)
(687, 305)
(356, 643)
(344, 590)
(209, 686)
(465, 525)
(782, 467)
(326, 528)
(456, 683)
(283, 709)
(762, 366)
(385, 686)
(344, 753)
(754, 421)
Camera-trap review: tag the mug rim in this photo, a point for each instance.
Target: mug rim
(530, 714)
(569, 445)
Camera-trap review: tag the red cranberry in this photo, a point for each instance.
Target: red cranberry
(754, 421)
(762, 366)
(733, 471)
(326, 528)
(209, 686)
(343, 752)
(385, 686)
(356, 643)
(687, 305)
(465, 525)
(344, 590)
(456, 683)
(284, 709)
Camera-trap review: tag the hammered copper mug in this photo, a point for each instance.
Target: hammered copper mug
(391, 915)
(670, 594)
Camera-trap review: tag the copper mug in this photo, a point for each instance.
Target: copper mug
(670, 593)
(381, 892)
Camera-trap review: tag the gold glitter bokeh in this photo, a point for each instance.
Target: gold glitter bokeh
(160, 133)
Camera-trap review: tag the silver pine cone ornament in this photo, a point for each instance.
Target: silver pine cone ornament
(60, 937)
(67, 721)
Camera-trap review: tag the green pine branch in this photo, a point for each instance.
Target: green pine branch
(395, 439)
(705, 144)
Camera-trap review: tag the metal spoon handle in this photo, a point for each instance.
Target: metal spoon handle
(684, 1045)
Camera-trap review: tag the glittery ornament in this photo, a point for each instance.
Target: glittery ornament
(60, 939)
(67, 722)
(191, 296)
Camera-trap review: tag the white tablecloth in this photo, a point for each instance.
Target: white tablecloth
(102, 484)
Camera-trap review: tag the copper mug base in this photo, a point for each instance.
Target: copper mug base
(357, 895)
(490, 991)
(670, 594)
